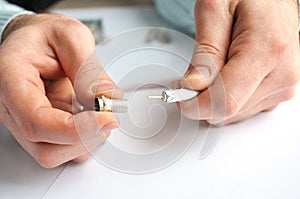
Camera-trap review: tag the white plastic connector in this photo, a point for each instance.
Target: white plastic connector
(176, 95)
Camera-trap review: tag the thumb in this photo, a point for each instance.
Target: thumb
(213, 31)
(75, 51)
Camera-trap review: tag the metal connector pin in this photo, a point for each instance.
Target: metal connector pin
(155, 97)
(114, 105)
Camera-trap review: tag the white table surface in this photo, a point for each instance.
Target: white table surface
(256, 158)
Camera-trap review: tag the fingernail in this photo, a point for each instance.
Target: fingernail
(198, 72)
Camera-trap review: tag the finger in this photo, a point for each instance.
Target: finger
(50, 156)
(60, 93)
(87, 155)
(62, 128)
(92, 80)
(40, 122)
(268, 104)
(274, 83)
(213, 21)
(74, 49)
(245, 115)
(208, 105)
(233, 87)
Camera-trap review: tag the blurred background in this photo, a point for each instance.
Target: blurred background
(97, 3)
(41, 6)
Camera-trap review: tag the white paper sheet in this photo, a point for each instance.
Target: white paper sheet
(257, 158)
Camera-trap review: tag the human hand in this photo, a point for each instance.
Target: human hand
(40, 58)
(253, 50)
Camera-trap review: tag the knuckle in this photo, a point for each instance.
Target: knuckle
(203, 48)
(209, 54)
(279, 45)
(75, 25)
(67, 21)
(67, 26)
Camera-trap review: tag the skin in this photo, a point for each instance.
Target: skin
(38, 67)
(253, 50)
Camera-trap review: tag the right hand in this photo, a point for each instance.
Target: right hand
(246, 59)
(39, 60)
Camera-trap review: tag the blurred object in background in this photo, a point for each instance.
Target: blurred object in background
(34, 5)
(65, 4)
(95, 25)
(160, 34)
(179, 13)
(42, 5)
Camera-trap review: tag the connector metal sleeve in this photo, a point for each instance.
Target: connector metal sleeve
(114, 105)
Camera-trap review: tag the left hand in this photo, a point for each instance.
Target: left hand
(42, 58)
(254, 59)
